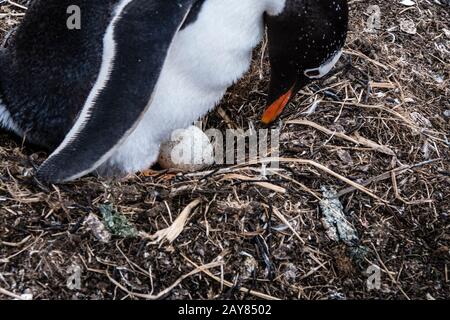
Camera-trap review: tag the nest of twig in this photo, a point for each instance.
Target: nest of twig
(376, 131)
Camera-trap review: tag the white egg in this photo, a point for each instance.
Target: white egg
(188, 150)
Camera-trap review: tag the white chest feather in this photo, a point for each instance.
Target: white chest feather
(205, 59)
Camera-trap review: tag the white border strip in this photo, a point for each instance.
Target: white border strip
(109, 53)
(108, 59)
(6, 120)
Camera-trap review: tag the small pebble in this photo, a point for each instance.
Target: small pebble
(447, 113)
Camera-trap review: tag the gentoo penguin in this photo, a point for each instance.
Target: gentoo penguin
(105, 95)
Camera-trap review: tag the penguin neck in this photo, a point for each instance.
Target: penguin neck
(259, 7)
(275, 7)
(244, 16)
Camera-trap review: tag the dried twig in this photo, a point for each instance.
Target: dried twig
(231, 285)
(166, 291)
(172, 232)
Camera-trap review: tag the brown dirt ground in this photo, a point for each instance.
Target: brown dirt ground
(391, 88)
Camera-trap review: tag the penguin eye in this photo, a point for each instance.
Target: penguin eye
(313, 73)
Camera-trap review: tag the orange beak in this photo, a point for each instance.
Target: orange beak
(272, 112)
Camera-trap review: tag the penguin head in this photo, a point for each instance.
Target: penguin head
(305, 42)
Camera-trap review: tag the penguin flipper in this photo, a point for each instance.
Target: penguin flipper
(136, 45)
